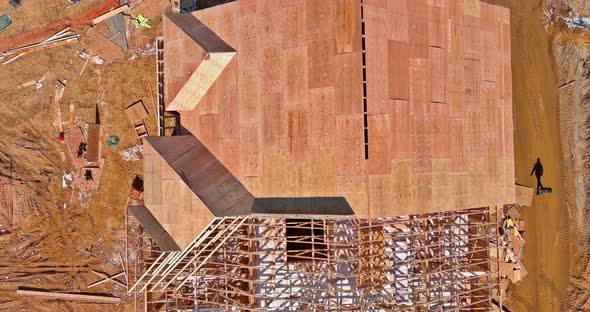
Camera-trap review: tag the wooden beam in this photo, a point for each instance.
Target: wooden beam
(112, 278)
(112, 13)
(46, 294)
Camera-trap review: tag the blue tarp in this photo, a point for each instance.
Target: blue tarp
(5, 21)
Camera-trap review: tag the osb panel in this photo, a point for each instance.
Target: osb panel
(380, 194)
(438, 73)
(322, 121)
(402, 130)
(349, 83)
(350, 146)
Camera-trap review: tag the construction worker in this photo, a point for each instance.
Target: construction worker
(142, 21)
(538, 170)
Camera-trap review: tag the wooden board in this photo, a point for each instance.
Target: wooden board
(94, 142)
(101, 45)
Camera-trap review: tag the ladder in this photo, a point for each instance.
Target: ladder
(163, 115)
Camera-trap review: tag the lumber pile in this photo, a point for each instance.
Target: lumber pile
(47, 294)
(510, 251)
(60, 38)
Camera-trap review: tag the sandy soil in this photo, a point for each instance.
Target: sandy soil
(545, 119)
(52, 247)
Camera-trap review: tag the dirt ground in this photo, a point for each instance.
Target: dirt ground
(53, 247)
(544, 128)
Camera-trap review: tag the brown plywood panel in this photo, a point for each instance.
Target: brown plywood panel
(251, 151)
(471, 34)
(438, 26)
(152, 173)
(349, 83)
(398, 21)
(229, 155)
(438, 74)
(376, 30)
(403, 173)
(94, 142)
(380, 193)
(455, 72)
(295, 25)
(350, 146)
(226, 102)
(402, 133)
(270, 17)
(320, 18)
(320, 55)
(273, 120)
(399, 70)
(322, 178)
(272, 69)
(296, 78)
(422, 192)
(472, 79)
(419, 85)
(354, 189)
(490, 59)
(297, 126)
(379, 161)
(209, 132)
(440, 131)
(418, 28)
(423, 143)
(458, 150)
(322, 121)
(458, 190)
(248, 84)
(348, 26)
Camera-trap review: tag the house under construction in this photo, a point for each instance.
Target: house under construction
(341, 155)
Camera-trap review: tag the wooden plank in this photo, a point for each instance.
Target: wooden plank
(101, 45)
(399, 70)
(136, 112)
(45, 294)
(94, 142)
(348, 26)
(110, 14)
(379, 161)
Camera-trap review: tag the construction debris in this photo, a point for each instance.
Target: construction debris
(136, 113)
(107, 278)
(109, 14)
(510, 251)
(132, 153)
(47, 294)
(62, 37)
(101, 45)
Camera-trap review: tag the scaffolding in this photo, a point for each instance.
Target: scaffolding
(429, 262)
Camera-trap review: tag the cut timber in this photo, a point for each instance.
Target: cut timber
(101, 45)
(94, 142)
(112, 13)
(217, 56)
(136, 112)
(524, 195)
(38, 293)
